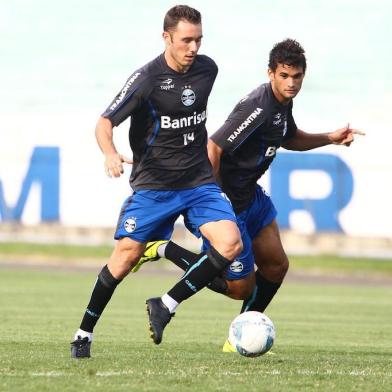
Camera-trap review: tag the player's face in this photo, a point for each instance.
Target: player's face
(286, 82)
(182, 45)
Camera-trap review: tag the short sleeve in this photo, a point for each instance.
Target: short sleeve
(245, 118)
(132, 95)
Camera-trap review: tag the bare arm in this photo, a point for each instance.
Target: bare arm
(113, 160)
(303, 141)
(214, 155)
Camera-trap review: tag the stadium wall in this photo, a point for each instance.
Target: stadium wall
(62, 63)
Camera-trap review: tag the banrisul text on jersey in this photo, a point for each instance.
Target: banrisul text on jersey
(182, 122)
(168, 113)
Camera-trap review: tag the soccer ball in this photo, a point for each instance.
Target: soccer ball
(252, 334)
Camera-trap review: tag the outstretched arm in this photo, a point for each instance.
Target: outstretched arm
(303, 141)
(113, 160)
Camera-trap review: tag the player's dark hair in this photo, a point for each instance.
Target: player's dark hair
(180, 12)
(288, 52)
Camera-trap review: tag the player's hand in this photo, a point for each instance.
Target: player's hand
(114, 164)
(344, 136)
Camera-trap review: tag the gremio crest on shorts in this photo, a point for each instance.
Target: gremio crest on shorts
(236, 266)
(188, 97)
(130, 225)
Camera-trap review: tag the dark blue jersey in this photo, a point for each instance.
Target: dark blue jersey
(168, 113)
(252, 133)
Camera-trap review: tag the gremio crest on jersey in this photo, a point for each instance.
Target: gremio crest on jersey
(188, 96)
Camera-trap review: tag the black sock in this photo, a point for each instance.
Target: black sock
(184, 259)
(199, 275)
(181, 257)
(102, 292)
(262, 294)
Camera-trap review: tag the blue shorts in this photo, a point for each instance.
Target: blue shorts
(250, 221)
(149, 215)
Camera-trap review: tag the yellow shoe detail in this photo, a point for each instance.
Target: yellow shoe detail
(150, 254)
(228, 348)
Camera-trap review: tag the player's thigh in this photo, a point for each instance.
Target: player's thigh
(145, 216)
(148, 215)
(209, 213)
(268, 249)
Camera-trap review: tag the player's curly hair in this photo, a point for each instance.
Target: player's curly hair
(288, 52)
(180, 12)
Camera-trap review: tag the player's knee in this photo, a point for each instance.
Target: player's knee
(282, 268)
(230, 247)
(122, 261)
(239, 289)
(285, 266)
(237, 248)
(276, 271)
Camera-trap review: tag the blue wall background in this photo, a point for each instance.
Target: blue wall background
(62, 62)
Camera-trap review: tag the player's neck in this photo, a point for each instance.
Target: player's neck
(174, 65)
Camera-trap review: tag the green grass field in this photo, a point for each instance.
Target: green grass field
(71, 254)
(329, 337)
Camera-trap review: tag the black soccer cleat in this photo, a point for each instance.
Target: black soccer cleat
(158, 317)
(80, 348)
(218, 284)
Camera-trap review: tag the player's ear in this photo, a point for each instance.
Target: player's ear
(271, 74)
(166, 38)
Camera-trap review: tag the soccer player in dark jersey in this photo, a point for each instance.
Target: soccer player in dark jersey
(241, 151)
(171, 174)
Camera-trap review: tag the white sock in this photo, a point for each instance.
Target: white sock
(83, 334)
(161, 249)
(170, 303)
